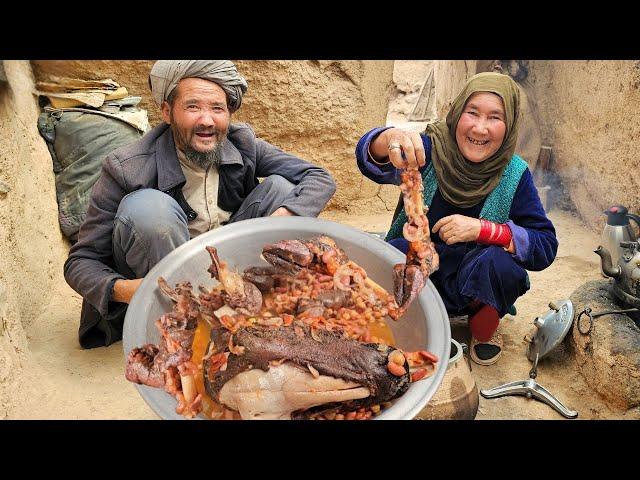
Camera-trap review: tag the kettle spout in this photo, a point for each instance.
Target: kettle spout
(605, 257)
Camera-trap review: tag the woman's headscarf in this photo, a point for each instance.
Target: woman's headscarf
(461, 182)
(166, 74)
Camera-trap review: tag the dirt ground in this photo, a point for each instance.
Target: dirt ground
(90, 384)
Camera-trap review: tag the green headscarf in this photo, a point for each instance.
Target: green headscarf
(461, 182)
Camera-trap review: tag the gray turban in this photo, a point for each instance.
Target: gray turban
(165, 75)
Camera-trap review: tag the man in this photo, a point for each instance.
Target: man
(191, 174)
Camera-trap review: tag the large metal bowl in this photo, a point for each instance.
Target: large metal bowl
(425, 326)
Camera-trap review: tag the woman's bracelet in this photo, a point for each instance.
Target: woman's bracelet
(494, 234)
(374, 160)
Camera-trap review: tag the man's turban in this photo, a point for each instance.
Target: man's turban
(165, 75)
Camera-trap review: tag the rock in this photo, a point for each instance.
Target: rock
(607, 356)
(4, 188)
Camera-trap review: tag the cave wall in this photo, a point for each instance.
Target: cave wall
(316, 109)
(33, 249)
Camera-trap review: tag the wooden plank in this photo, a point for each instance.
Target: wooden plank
(420, 110)
(543, 165)
(544, 158)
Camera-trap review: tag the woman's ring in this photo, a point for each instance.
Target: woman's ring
(393, 145)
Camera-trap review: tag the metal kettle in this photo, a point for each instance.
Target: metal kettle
(616, 230)
(626, 273)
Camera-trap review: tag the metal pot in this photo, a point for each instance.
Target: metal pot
(425, 326)
(457, 397)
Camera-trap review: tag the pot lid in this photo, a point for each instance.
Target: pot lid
(617, 215)
(552, 327)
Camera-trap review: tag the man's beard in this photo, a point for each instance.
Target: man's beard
(205, 160)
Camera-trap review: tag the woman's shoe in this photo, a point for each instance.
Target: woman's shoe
(486, 353)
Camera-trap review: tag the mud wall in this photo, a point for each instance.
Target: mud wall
(33, 249)
(314, 109)
(589, 115)
(409, 77)
(318, 110)
(449, 78)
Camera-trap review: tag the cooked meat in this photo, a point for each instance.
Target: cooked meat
(422, 259)
(335, 298)
(261, 277)
(328, 353)
(309, 307)
(141, 367)
(288, 256)
(283, 389)
(239, 294)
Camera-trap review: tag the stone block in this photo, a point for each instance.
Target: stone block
(608, 355)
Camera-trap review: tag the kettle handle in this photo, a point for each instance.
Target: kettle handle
(635, 218)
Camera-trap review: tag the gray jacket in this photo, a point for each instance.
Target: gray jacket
(152, 162)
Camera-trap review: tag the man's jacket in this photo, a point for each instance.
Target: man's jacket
(152, 162)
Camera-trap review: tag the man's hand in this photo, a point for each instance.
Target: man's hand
(457, 229)
(393, 143)
(282, 212)
(123, 290)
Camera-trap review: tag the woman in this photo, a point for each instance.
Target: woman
(488, 224)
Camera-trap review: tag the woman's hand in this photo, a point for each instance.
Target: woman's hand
(457, 229)
(393, 143)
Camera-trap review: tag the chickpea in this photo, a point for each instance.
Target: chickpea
(397, 357)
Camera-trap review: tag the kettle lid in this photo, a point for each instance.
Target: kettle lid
(617, 215)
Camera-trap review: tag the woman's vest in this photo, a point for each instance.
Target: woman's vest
(496, 207)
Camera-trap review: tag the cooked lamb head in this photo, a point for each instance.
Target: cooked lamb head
(278, 371)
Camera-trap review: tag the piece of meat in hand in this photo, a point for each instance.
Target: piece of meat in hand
(422, 259)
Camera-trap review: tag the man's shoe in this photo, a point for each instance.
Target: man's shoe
(486, 353)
